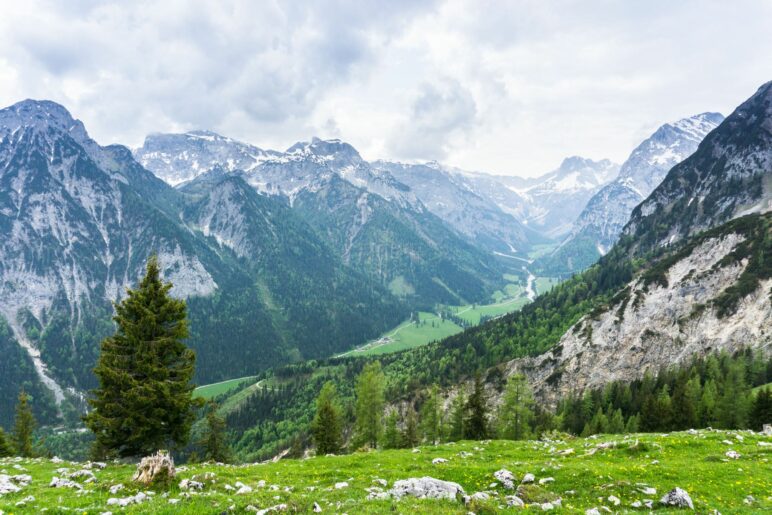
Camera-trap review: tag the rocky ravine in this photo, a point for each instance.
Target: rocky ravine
(659, 326)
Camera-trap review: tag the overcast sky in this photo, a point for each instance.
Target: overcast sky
(509, 87)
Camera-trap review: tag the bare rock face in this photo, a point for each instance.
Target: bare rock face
(655, 325)
(156, 468)
(427, 488)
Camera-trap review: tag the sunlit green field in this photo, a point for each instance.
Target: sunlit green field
(210, 391)
(587, 473)
(408, 335)
(431, 327)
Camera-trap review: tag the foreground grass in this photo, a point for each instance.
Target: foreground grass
(585, 475)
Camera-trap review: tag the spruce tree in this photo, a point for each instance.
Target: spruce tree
(369, 405)
(326, 426)
(144, 400)
(761, 409)
(391, 437)
(476, 427)
(214, 442)
(24, 426)
(410, 434)
(6, 449)
(431, 417)
(457, 417)
(516, 411)
(616, 423)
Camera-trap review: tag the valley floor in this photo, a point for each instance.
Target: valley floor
(614, 471)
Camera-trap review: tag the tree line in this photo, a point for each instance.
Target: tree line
(722, 391)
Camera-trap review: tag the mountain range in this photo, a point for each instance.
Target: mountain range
(285, 256)
(601, 221)
(689, 276)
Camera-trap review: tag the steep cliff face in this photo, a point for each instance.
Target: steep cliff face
(712, 295)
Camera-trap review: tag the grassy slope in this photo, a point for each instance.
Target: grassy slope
(210, 391)
(695, 463)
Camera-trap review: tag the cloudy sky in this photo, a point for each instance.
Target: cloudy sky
(509, 87)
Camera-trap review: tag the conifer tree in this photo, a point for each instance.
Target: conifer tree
(214, 442)
(632, 424)
(326, 426)
(144, 400)
(476, 427)
(431, 416)
(410, 434)
(516, 411)
(761, 409)
(616, 423)
(24, 426)
(6, 449)
(369, 405)
(457, 417)
(391, 437)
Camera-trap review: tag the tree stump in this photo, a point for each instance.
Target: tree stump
(155, 469)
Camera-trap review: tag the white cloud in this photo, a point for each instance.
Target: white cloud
(510, 87)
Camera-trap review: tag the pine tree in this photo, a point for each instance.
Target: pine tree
(516, 411)
(431, 417)
(632, 424)
(708, 399)
(326, 426)
(616, 423)
(599, 423)
(6, 449)
(732, 405)
(369, 405)
(476, 427)
(664, 410)
(391, 437)
(214, 441)
(761, 409)
(144, 401)
(410, 434)
(24, 426)
(457, 417)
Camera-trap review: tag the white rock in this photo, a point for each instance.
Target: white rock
(381, 482)
(636, 504)
(506, 478)
(547, 506)
(189, 484)
(427, 488)
(341, 485)
(528, 478)
(174, 501)
(437, 461)
(57, 482)
(613, 499)
(116, 488)
(477, 496)
(545, 480)
(592, 511)
(734, 455)
(677, 497)
(514, 501)
(317, 508)
(243, 489)
(647, 490)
